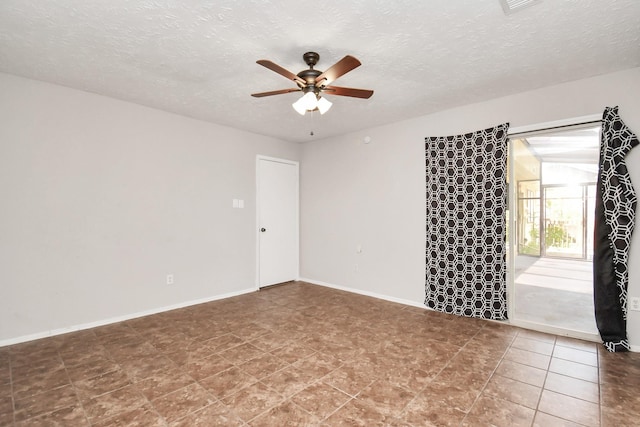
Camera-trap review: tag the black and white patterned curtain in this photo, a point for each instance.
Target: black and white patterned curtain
(615, 212)
(466, 215)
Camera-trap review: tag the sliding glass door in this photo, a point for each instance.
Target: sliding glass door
(551, 215)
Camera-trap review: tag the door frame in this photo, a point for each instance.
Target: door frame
(296, 164)
(512, 202)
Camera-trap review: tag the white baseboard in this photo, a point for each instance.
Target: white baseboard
(103, 322)
(366, 293)
(61, 331)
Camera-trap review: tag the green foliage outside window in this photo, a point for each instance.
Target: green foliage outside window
(555, 235)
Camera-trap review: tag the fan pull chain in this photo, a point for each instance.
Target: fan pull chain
(312, 119)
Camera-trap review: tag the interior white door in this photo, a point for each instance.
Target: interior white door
(277, 221)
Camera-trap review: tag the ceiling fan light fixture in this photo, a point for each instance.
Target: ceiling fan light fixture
(323, 105)
(299, 106)
(310, 101)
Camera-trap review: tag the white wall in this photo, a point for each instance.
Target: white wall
(373, 194)
(101, 199)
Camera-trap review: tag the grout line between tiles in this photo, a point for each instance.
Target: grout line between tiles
(490, 376)
(337, 409)
(542, 389)
(75, 391)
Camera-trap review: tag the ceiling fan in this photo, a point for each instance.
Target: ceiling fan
(314, 82)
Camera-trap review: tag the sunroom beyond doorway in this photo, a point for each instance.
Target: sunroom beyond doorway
(555, 176)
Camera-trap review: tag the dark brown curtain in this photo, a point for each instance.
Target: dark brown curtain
(466, 215)
(615, 213)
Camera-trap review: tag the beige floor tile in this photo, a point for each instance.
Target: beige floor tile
(252, 401)
(43, 403)
(114, 403)
(386, 397)
(289, 381)
(227, 382)
(292, 352)
(577, 344)
(529, 358)
(534, 345)
(574, 355)
(546, 420)
(350, 378)
(524, 373)
(182, 402)
(457, 396)
(102, 384)
(358, 413)
(207, 366)
(91, 367)
(70, 416)
(263, 365)
(241, 353)
(424, 410)
(320, 399)
(514, 391)
(286, 414)
(216, 414)
(573, 369)
(573, 387)
(499, 413)
(40, 382)
(163, 383)
(145, 416)
(570, 408)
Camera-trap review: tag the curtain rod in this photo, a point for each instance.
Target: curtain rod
(591, 122)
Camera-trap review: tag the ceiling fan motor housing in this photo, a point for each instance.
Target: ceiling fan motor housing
(309, 76)
(311, 58)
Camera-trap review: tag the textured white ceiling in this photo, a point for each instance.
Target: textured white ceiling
(197, 58)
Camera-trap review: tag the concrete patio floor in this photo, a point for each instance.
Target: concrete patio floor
(555, 292)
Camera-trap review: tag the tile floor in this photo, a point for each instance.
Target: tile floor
(300, 354)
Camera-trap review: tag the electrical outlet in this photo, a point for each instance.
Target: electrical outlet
(169, 279)
(634, 303)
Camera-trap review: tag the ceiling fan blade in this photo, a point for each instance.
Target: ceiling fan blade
(282, 71)
(338, 69)
(348, 91)
(274, 92)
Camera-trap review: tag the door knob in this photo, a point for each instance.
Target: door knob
(263, 230)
